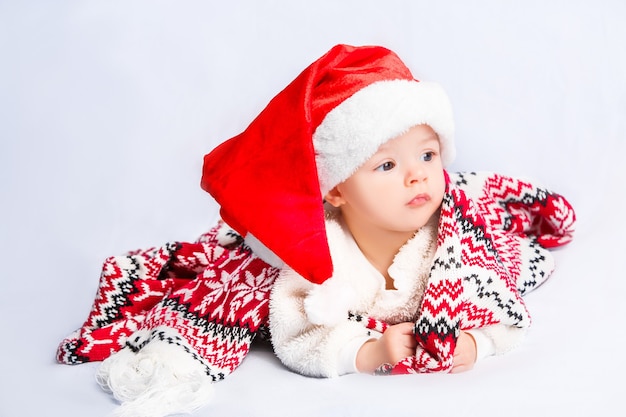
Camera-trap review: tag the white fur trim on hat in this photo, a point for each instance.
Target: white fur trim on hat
(354, 130)
(263, 251)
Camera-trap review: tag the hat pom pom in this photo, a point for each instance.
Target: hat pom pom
(329, 303)
(158, 380)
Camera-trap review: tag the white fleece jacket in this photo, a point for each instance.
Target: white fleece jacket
(309, 325)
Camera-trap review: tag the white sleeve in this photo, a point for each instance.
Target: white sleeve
(484, 345)
(496, 339)
(347, 355)
(304, 347)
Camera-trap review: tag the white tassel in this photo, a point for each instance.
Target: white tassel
(159, 380)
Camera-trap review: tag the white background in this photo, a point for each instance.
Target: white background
(107, 108)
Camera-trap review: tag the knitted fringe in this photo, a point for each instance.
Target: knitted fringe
(159, 380)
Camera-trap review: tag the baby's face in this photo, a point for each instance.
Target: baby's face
(400, 187)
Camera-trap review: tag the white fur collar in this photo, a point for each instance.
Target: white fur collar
(357, 286)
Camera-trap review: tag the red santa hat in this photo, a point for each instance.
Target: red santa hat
(271, 179)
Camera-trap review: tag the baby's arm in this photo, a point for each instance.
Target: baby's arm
(307, 348)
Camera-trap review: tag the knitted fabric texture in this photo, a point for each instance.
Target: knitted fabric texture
(210, 299)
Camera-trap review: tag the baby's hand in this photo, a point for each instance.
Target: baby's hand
(464, 353)
(397, 343)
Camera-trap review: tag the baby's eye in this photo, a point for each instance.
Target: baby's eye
(428, 156)
(386, 166)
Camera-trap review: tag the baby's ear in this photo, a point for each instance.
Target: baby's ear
(334, 197)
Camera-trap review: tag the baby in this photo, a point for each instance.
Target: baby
(341, 232)
(340, 182)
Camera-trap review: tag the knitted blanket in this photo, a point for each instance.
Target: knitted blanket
(169, 321)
